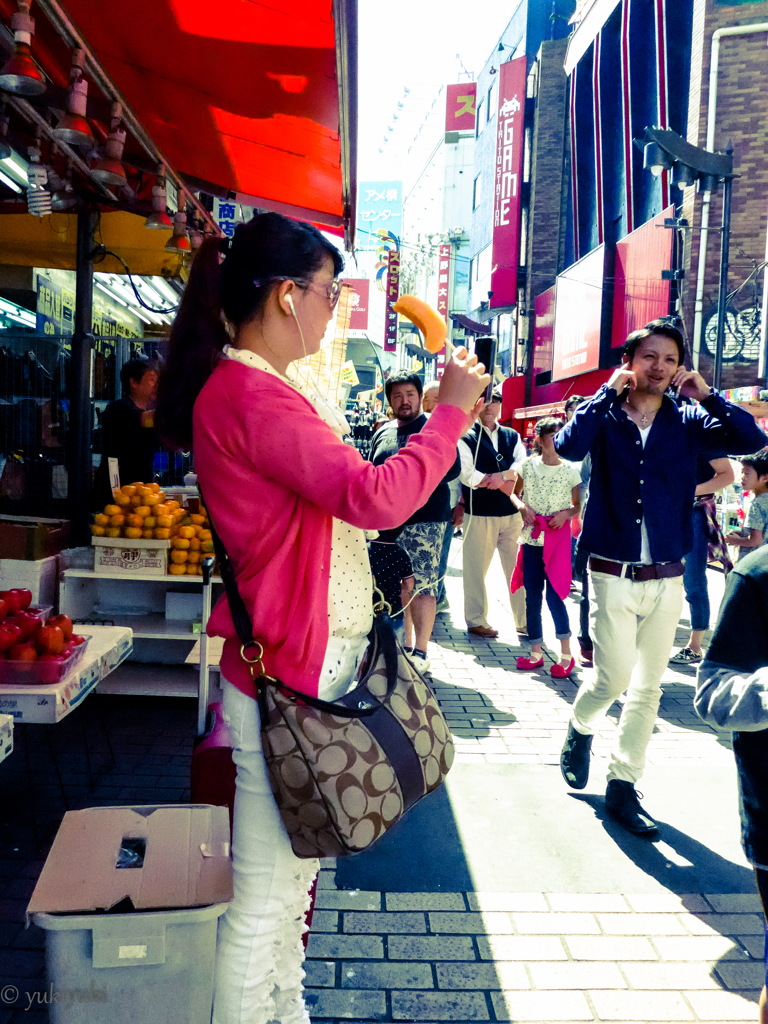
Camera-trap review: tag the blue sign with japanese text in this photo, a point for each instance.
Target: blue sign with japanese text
(379, 208)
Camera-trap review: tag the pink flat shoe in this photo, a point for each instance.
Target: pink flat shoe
(527, 664)
(559, 671)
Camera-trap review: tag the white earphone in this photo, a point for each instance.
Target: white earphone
(289, 300)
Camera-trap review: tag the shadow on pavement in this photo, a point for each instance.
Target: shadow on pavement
(702, 871)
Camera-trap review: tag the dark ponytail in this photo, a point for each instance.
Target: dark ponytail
(236, 290)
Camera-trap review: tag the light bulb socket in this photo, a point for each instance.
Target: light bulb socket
(655, 159)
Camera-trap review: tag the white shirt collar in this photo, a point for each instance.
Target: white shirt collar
(329, 413)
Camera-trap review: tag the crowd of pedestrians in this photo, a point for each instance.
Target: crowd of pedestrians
(634, 468)
(618, 499)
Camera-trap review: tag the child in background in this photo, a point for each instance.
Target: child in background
(393, 575)
(732, 694)
(754, 477)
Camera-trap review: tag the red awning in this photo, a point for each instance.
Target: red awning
(256, 100)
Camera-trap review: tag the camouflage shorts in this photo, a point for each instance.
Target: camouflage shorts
(422, 542)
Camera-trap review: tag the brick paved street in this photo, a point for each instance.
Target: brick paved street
(503, 898)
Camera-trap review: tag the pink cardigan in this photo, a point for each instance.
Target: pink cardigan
(557, 557)
(274, 475)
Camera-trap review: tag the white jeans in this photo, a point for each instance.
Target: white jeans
(633, 628)
(259, 953)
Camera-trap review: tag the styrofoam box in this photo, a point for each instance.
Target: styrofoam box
(130, 557)
(48, 704)
(6, 736)
(183, 605)
(39, 576)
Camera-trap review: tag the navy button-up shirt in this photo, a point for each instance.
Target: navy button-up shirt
(657, 482)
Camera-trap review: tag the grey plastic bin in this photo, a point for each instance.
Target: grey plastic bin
(154, 967)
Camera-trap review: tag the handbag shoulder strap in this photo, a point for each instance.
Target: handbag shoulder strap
(239, 612)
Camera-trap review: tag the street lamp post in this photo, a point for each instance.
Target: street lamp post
(666, 150)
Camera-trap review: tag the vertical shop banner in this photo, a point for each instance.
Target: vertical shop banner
(461, 107)
(508, 175)
(393, 294)
(358, 302)
(443, 294)
(229, 214)
(55, 308)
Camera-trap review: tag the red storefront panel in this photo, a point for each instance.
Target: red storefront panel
(578, 316)
(544, 331)
(640, 294)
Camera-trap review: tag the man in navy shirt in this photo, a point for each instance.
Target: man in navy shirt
(638, 527)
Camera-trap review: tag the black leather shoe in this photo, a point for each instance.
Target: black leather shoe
(574, 758)
(623, 805)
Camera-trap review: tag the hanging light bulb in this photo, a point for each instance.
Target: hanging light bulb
(38, 196)
(159, 220)
(109, 170)
(64, 197)
(73, 127)
(20, 74)
(195, 234)
(178, 242)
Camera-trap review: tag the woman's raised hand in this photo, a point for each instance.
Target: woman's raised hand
(463, 382)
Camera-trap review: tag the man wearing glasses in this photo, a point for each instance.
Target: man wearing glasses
(491, 456)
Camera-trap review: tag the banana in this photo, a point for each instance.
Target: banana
(427, 319)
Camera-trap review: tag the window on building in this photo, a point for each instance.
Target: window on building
(493, 101)
(477, 191)
(479, 122)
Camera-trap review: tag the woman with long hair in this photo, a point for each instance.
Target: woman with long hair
(290, 502)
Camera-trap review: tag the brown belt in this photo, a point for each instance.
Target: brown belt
(638, 573)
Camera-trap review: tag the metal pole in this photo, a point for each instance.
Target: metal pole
(725, 243)
(81, 386)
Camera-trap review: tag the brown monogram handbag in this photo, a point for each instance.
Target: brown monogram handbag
(344, 772)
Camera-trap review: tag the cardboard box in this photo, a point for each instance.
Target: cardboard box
(25, 538)
(108, 646)
(140, 936)
(6, 736)
(186, 862)
(39, 576)
(130, 557)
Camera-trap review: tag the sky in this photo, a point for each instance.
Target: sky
(411, 43)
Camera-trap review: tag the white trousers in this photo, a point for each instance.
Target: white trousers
(633, 629)
(482, 536)
(259, 954)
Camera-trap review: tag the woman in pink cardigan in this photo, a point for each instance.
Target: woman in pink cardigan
(290, 502)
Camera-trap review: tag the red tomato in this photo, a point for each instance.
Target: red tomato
(25, 597)
(63, 622)
(77, 640)
(49, 640)
(22, 652)
(3, 609)
(28, 624)
(68, 649)
(13, 599)
(9, 635)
